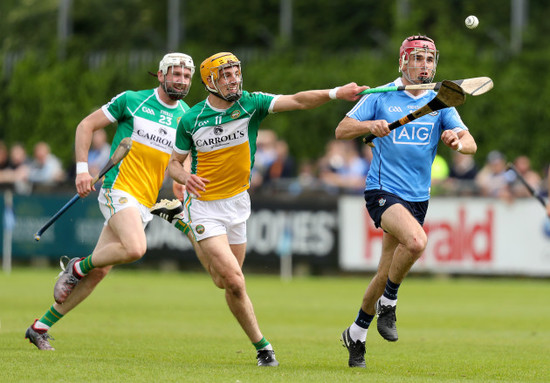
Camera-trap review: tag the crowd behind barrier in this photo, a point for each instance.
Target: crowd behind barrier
(342, 169)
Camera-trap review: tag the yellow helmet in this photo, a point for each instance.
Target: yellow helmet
(210, 69)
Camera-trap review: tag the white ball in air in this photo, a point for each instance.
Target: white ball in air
(471, 22)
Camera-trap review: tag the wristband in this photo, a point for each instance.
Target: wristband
(459, 149)
(81, 167)
(332, 93)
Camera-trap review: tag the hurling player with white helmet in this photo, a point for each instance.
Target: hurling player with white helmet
(149, 117)
(220, 134)
(397, 188)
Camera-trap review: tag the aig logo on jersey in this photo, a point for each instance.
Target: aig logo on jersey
(413, 133)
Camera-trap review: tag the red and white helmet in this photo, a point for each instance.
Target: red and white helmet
(417, 43)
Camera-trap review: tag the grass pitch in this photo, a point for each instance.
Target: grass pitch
(148, 326)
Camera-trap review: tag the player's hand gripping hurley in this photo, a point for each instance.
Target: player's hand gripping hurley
(120, 152)
(471, 86)
(450, 94)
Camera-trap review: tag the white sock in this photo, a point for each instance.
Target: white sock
(78, 269)
(357, 332)
(387, 302)
(268, 347)
(40, 326)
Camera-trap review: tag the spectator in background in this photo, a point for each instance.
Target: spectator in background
(99, 153)
(4, 165)
(493, 179)
(282, 169)
(4, 156)
(342, 169)
(307, 179)
(265, 155)
(523, 167)
(45, 168)
(462, 174)
(17, 172)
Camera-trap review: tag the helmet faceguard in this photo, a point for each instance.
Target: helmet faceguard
(172, 60)
(213, 69)
(414, 45)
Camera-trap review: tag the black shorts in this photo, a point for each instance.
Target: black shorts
(379, 200)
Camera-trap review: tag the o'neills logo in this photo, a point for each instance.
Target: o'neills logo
(159, 139)
(220, 139)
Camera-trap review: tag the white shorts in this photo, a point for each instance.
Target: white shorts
(224, 216)
(111, 201)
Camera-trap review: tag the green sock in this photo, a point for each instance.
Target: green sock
(51, 317)
(182, 226)
(261, 344)
(86, 264)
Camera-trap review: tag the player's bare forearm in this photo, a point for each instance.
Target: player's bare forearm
(311, 99)
(464, 142)
(176, 169)
(84, 132)
(194, 184)
(350, 128)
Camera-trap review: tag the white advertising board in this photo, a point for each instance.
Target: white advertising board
(465, 235)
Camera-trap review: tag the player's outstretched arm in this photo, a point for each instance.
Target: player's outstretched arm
(310, 99)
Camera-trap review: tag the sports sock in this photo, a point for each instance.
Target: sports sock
(48, 319)
(263, 344)
(182, 226)
(357, 332)
(84, 266)
(358, 329)
(390, 293)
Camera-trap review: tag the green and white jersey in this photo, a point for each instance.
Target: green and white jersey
(222, 142)
(151, 124)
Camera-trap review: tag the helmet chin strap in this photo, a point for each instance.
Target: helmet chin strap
(231, 97)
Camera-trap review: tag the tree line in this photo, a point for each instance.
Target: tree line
(111, 47)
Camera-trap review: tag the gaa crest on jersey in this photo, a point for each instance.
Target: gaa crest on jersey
(235, 114)
(381, 201)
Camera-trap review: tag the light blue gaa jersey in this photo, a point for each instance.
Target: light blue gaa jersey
(402, 161)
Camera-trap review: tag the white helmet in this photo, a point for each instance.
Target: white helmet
(171, 60)
(176, 59)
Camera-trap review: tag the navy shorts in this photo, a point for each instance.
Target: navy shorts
(379, 200)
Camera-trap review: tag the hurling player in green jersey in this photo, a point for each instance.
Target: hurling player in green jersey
(220, 136)
(129, 190)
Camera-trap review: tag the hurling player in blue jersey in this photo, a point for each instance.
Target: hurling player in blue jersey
(398, 182)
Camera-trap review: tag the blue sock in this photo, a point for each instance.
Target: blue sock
(390, 291)
(363, 319)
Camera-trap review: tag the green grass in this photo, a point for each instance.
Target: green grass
(148, 326)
